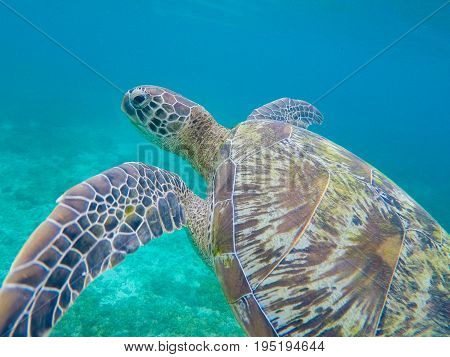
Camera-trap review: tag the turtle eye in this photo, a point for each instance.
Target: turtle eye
(139, 99)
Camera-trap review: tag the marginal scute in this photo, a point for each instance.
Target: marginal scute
(421, 275)
(231, 276)
(413, 215)
(222, 228)
(252, 318)
(224, 181)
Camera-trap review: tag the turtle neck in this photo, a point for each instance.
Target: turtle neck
(199, 141)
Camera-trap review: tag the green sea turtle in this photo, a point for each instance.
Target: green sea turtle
(306, 238)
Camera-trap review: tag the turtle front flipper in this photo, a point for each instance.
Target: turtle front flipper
(93, 227)
(293, 111)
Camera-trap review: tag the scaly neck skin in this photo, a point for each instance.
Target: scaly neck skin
(199, 141)
(198, 212)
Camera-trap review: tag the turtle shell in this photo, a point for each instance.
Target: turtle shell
(308, 239)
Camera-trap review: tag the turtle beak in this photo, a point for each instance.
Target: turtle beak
(127, 107)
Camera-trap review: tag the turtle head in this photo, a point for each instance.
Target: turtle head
(157, 112)
(174, 123)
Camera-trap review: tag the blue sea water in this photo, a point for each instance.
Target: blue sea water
(61, 123)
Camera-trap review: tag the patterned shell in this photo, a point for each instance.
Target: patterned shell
(308, 239)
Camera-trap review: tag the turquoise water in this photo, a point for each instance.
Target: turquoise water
(60, 123)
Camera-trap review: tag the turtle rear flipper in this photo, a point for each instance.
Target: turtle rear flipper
(293, 111)
(93, 227)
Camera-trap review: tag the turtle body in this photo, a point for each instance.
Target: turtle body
(306, 238)
(320, 242)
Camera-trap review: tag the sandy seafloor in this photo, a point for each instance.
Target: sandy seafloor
(164, 289)
(60, 123)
